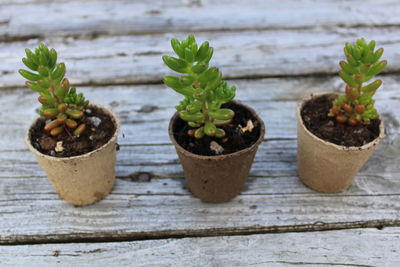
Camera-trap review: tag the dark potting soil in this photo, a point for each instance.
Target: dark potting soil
(316, 120)
(99, 130)
(234, 140)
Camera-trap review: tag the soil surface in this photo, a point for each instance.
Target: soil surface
(99, 130)
(234, 141)
(316, 120)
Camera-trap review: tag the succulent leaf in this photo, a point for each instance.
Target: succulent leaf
(203, 51)
(199, 68)
(50, 113)
(210, 129)
(199, 133)
(57, 131)
(75, 114)
(189, 57)
(220, 133)
(177, 48)
(59, 72)
(176, 64)
(80, 129)
(29, 63)
(51, 125)
(222, 114)
(71, 123)
(53, 59)
(371, 88)
(29, 75)
(377, 55)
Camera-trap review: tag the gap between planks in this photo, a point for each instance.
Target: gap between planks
(127, 17)
(238, 55)
(362, 247)
(95, 35)
(231, 79)
(191, 233)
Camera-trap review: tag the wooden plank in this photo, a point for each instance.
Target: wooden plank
(43, 18)
(363, 247)
(239, 54)
(274, 99)
(138, 217)
(274, 201)
(275, 161)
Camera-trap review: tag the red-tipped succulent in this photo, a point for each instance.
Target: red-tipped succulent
(357, 105)
(60, 102)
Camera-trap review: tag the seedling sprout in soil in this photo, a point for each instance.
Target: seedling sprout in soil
(60, 102)
(357, 105)
(202, 86)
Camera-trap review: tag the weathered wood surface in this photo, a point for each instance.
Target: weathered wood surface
(276, 53)
(363, 247)
(24, 19)
(274, 99)
(239, 54)
(274, 200)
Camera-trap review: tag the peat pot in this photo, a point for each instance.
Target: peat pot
(84, 179)
(325, 166)
(217, 178)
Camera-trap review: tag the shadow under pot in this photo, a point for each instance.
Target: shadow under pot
(217, 178)
(82, 179)
(323, 165)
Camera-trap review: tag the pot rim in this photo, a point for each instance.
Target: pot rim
(109, 112)
(218, 157)
(338, 147)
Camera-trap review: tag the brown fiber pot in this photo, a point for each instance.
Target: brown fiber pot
(217, 178)
(84, 179)
(324, 166)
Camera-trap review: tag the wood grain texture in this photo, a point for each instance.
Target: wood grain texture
(274, 99)
(113, 51)
(274, 200)
(24, 18)
(239, 54)
(363, 247)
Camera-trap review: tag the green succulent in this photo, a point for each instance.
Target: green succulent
(357, 105)
(60, 102)
(202, 86)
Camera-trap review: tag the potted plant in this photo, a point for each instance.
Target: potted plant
(216, 138)
(73, 141)
(337, 134)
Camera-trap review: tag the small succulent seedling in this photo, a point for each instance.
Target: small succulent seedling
(357, 105)
(60, 102)
(202, 87)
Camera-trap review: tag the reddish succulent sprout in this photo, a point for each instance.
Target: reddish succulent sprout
(352, 122)
(360, 109)
(356, 106)
(341, 119)
(190, 132)
(60, 103)
(347, 108)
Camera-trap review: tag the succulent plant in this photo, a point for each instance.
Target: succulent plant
(202, 86)
(357, 105)
(60, 102)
